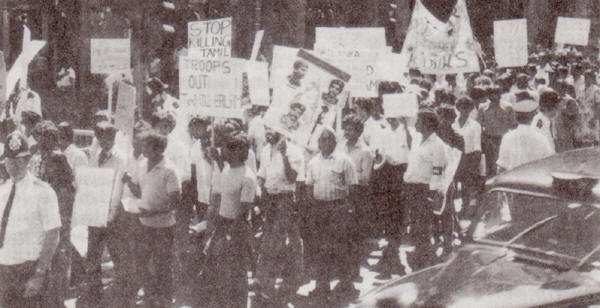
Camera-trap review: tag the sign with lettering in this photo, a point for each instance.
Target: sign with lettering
(510, 42)
(435, 47)
(308, 94)
(211, 87)
(360, 63)
(573, 31)
(110, 56)
(210, 38)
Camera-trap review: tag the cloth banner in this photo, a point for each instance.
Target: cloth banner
(94, 192)
(210, 39)
(435, 47)
(573, 31)
(211, 87)
(307, 94)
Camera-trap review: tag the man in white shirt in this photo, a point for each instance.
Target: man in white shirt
(280, 252)
(29, 229)
(331, 179)
(544, 119)
(468, 169)
(112, 236)
(75, 156)
(524, 143)
(424, 186)
(390, 164)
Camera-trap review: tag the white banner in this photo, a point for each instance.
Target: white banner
(573, 31)
(211, 87)
(435, 47)
(510, 42)
(110, 56)
(210, 39)
(400, 105)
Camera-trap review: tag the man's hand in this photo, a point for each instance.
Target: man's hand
(282, 148)
(34, 285)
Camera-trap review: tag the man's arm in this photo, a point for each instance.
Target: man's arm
(34, 284)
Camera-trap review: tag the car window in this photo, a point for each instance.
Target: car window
(571, 229)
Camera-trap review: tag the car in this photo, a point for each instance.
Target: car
(535, 242)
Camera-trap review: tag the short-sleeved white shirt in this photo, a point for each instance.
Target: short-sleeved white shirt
(75, 157)
(522, 145)
(204, 172)
(544, 125)
(156, 185)
(331, 177)
(237, 186)
(471, 133)
(33, 213)
(272, 169)
(362, 159)
(426, 162)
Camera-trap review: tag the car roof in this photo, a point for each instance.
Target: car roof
(537, 176)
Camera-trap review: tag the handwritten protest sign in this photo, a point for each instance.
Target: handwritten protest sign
(303, 87)
(211, 87)
(392, 67)
(400, 105)
(258, 82)
(435, 47)
(125, 111)
(510, 42)
(573, 31)
(346, 38)
(110, 55)
(94, 192)
(360, 63)
(210, 38)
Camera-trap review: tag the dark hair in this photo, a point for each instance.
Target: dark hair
(199, 121)
(155, 140)
(429, 119)
(66, 131)
(353, 121)
(524, 117)
(549, 100)
(298, 105)
(105, 130)
(338, 82)
(464, 100)
(47, 130)
(31, 118)
(238, 144)
(298, 64)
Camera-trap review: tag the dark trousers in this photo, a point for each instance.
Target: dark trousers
(156, 249)
(333, 230)
(12, 286)
(490, 146)
(225, 274)
(281, 249)
(114, 238)
(471, 182)
(58, 278)
(421, 223)
(387, 186)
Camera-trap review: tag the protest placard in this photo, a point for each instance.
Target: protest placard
(573, 31)
(210, 39)
(435, 47)
(94, 192)
(392, 66)
(347, 38)
(308, 92)
(211, 87)
(256, 46)
(400, 105)
(110, 56)
(360, 63)
(125, 111)
(510, 42)
(19, 70)
(258, 82)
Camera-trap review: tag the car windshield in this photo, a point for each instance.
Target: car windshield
(540, 223)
